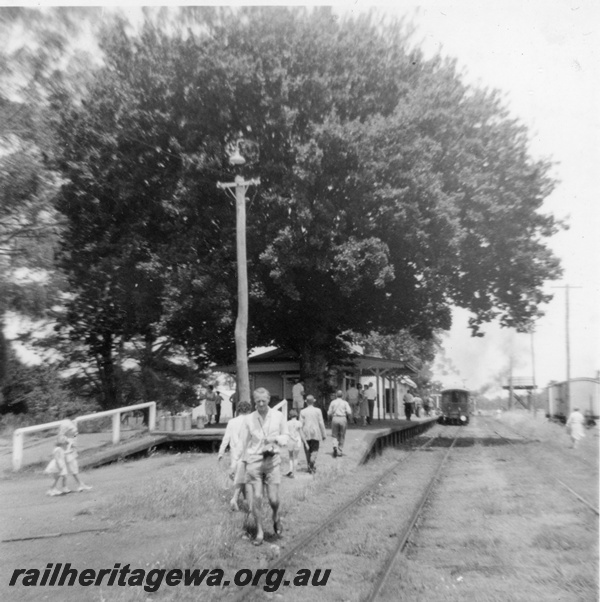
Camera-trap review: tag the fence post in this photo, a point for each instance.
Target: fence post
(17, 458)
(116, 427)
(152, 417)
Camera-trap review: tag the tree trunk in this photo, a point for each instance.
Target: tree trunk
(147, 376)
(109, 375)
(313, 370)
(3, 361)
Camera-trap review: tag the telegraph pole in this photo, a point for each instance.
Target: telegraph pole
(533, 395)
(568, 343)
(241, 324)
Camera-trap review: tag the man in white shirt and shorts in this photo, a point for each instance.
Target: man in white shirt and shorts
(263, 435)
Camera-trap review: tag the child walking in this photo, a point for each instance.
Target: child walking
(296, 438)
(238, 467)
(57, 467)
(68, 434)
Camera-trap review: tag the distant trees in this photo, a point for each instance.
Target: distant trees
(390, 190)
(33, 64)
(420, 353)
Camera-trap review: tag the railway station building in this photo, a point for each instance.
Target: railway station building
(277, 370)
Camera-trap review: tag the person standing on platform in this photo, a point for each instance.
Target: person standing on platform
(418, 404)
(313, 429)
(363, 405)
(298, 396)
(232, 437)
(210, 404)
(409, 405)
(371, 395)
(263, 435)
(339, 412)
(575, 427)
(218, 402)
(234, 399)
(352, 397)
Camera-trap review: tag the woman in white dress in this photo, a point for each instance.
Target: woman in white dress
(575, 425)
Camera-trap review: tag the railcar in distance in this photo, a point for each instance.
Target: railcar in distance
(583, 393)
(455, 406)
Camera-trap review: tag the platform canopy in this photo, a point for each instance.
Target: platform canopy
(285, 360)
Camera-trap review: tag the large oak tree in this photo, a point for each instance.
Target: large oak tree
(390, 189)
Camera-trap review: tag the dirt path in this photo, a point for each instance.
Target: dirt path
(163, 510)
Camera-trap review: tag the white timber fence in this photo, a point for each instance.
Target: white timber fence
(19, 434)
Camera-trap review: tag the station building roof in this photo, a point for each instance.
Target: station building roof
(286, 360)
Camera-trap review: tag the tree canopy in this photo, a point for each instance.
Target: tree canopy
(390, 190)
(34, 63)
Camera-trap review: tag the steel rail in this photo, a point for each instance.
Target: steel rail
(332, 518)
(392, 556)
(574, 493)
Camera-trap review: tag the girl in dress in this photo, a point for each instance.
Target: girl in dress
(67, 433)
(58, 468)
(296, 438)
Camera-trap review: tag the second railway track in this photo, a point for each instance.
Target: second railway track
(549, 474)
(398, 495)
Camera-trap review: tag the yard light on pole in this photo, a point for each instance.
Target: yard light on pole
(238, 189)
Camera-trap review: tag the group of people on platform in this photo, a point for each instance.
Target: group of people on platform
(361, 400)
(259, 439)
(415, 405)
(212, 405)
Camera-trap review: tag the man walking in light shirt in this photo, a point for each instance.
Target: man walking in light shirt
(263, 434)
(339, 412)
(313, 427)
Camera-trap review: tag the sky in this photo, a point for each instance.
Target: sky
(545, 58)
(544, 55)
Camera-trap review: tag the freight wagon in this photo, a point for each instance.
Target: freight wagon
(584, 394)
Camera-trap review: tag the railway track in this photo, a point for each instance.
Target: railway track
(302, 545)
(512, 429)
(313, 546)
(581, 498)
(388, 565)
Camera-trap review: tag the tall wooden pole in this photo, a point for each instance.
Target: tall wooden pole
(241, 322)
(533, 396)
(568, 345)
(510, 381)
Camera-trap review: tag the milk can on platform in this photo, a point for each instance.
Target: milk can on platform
(178, 422)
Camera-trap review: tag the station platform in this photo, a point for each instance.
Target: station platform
(96, 449)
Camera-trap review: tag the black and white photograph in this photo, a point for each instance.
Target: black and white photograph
(300, 302)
